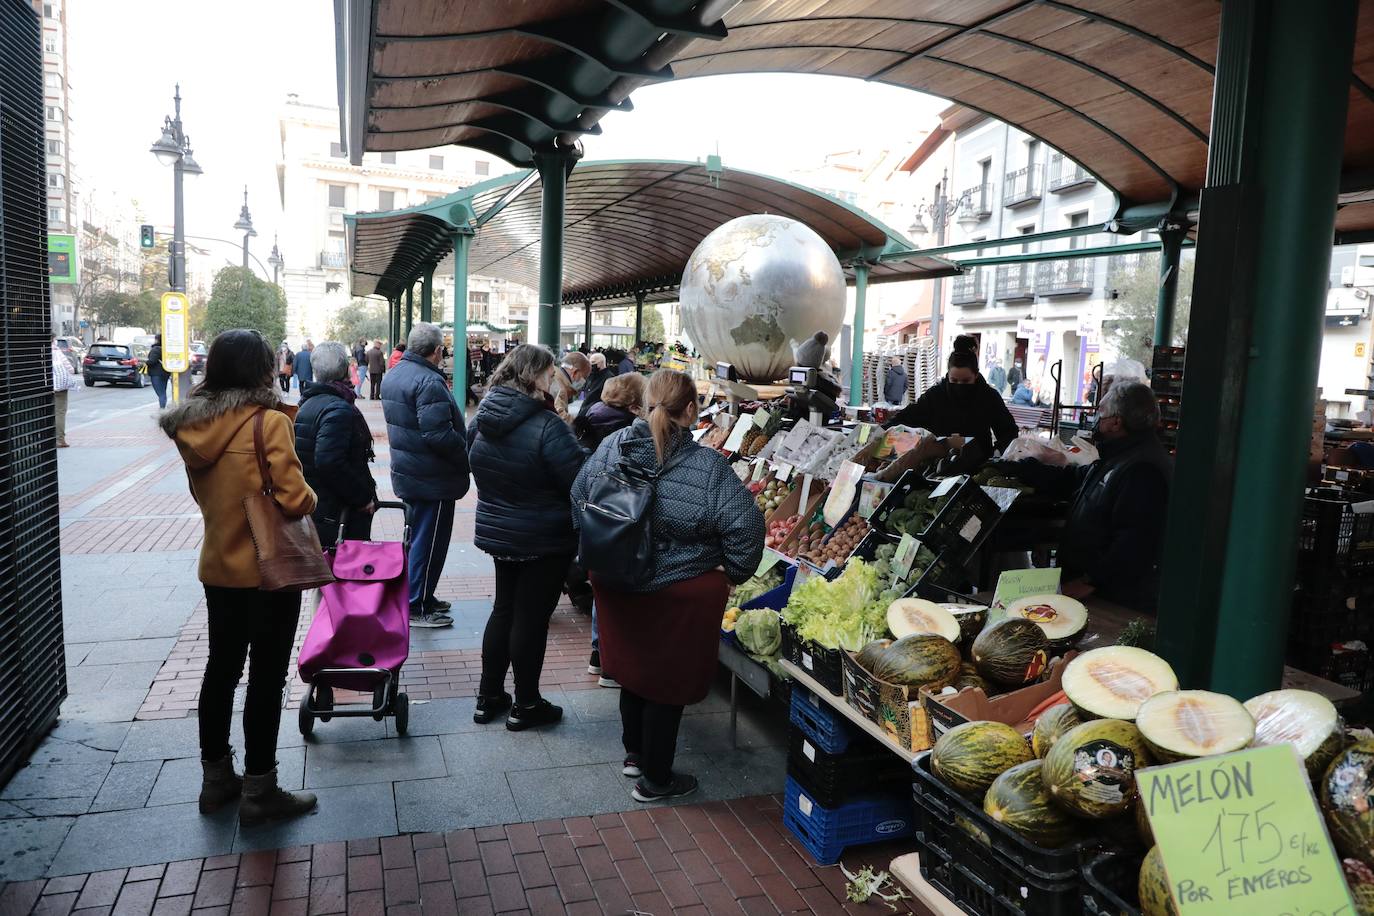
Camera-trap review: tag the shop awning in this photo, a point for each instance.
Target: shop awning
(1124, 88)
(629, 227)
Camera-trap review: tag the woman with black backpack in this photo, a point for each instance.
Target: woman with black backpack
(659, 633)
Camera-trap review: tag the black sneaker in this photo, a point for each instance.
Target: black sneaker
(631, 767)
(489, 708)
(594, 666)
(681, 784)
(440, 605)
(541, 713)
(430, 620)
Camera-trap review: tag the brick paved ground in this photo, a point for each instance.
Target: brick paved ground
(454, 818)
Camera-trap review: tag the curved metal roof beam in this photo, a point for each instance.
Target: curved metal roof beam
(686, 25)
(1132, 30)
(525, 103)
(514, 150)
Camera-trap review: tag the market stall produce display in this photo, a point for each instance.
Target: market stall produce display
(1018, 798)
(1090, 770)
(969, 757)
(1304, 719)
(1012, 652)
(1051, 726)
(1112, 682)
(1063, 619)
(1181, 724)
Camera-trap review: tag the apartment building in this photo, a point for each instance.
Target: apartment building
(62, 220)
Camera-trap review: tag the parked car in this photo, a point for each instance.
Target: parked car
(117, 364)
(198, 353)
(72, 348)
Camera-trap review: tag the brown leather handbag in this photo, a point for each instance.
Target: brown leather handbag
(290, 558)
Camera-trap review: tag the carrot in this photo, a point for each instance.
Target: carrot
(1054, 700)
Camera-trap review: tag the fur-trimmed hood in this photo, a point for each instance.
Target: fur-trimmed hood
(204, 424)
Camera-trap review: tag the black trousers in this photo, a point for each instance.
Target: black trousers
(518, 630)
(284, 381)
(247, 624)
(649, 730)
(376, 390)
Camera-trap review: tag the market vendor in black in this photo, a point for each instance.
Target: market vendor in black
(1115, 529)
(962, 405)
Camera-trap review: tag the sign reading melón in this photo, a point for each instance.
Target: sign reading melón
(1240, 833)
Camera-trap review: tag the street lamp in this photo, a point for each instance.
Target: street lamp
(245, 225)
(275, 259)
(939, 211)
(173, 148)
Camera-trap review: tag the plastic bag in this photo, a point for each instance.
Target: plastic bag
(1029, 445)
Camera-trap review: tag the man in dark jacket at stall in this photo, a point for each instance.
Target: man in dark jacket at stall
(429, 464)
(335, 445)
(591, 392)
(962, 406)
(1112, 540)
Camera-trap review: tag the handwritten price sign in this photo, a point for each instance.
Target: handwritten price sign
(1241, 833)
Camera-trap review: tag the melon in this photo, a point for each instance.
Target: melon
(1091, 768)
(1012, 652)
(1063, 619)
(968, 757)
(1052, 723)
(910, 616)
(972, 618)
(868, 657)
(922, 660)
(1347, 800)
(969, 677)
(1153, 887)
(1304, 719)
(1181, 724)
(1112, 682)
(1360, 879)
(1019, 801)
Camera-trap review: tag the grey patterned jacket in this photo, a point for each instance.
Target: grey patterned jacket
(703, 517)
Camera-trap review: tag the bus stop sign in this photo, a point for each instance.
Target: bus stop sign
(175, 346)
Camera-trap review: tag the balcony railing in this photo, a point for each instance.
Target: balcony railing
(1015, 281)
(977, 203)
(333, 259)
(1119, 264)
(1065, 174)
(1023, 186)
(970, 288)
(1073, 277)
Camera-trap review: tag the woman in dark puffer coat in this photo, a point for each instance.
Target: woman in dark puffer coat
(621, 403)
(524, 460)
(335, 445)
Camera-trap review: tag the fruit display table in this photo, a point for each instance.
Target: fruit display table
(742, 668)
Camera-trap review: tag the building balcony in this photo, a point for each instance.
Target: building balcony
(335, 259)
(1015, 281)
(970, 288)
(1072, 277)
(1023, 186)
(1119, 264)
(1066, 175)
(976, 203)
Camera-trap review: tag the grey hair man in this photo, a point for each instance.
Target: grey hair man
(568, 382)
(429, 463)
(330, 362)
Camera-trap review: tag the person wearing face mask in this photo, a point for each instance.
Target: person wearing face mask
(524, 461)
(962, 407)
(1115, 528)
(569, 379)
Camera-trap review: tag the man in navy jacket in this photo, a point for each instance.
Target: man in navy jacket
(429, 464)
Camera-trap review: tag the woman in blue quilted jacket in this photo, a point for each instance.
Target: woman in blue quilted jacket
(659, 639)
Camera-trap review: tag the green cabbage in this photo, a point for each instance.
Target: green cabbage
(759, 632)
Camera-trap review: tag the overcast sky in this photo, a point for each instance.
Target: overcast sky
(237, 61)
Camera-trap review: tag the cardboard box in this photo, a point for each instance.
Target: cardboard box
(915, 718)
(819, 489)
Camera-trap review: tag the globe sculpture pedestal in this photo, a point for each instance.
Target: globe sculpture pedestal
(757, 286)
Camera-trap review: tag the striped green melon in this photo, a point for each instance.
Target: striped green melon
(1182, 724)
(972, 618)
(968, 757)
(1347, 800)
(1360, 879)
(1304, 719)
(969, 677)
(1153, 887)
(1052, 723)
(1091, 768)
(1112, 682)
(1018, 799)
(868, 656)
(1011, 653)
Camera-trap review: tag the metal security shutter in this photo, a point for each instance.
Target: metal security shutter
(33, 678)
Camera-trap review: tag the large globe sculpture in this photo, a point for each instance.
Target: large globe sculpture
(756, 286)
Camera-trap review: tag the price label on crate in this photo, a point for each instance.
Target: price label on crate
(905, 555)
(1015, 584)
(770, 559)
(1241, 833)
(738, 432)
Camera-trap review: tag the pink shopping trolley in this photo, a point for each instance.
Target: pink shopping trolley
(360, 636)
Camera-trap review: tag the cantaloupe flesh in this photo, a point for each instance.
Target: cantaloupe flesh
(1194, 723)
(1060, 616)
(1112, 682)
(912, 616)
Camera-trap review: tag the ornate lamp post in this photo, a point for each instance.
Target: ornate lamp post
(245, 225)
(939, 211)
(174, 148)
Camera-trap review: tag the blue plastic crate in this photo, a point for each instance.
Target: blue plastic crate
(775, 598)
(826, 728)
(827, 832)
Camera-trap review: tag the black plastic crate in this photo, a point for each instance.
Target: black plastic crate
(1349, 664)
(1168, 359)
(820, 663)
(1333, 535)
(963, 523)
(986, 868)
(1167, 384)
(836, 779)
(1110, 885)
(910, 481)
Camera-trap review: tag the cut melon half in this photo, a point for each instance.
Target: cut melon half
(915, 616)
(1182, 724)
(1062, 618)
(1304, 719)
(1112, 682)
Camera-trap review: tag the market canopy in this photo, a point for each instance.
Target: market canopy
(630, 228)
(1122, 87)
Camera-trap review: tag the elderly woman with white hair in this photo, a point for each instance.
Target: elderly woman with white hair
(335, 445)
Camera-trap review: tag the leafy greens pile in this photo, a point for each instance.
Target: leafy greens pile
(842, 613)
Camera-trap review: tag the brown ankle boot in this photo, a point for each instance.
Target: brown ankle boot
(264, 800)
(219, 784)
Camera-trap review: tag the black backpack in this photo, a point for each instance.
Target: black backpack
(616, 541)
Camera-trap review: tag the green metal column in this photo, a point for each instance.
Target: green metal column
(393, 322)
(427, 294)
(554, 167)
(587, 331)
(410, 308)
(1267, 219)
(856, 358)
(1170, 255)
(461, 241)
(639, 318)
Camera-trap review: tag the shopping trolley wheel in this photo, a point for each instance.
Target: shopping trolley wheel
(305, 719)
(401, 711)
(379, 702)
(324, 700)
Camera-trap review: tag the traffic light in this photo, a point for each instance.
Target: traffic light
(146, 238)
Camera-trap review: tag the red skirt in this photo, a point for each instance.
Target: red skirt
(663, 645)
